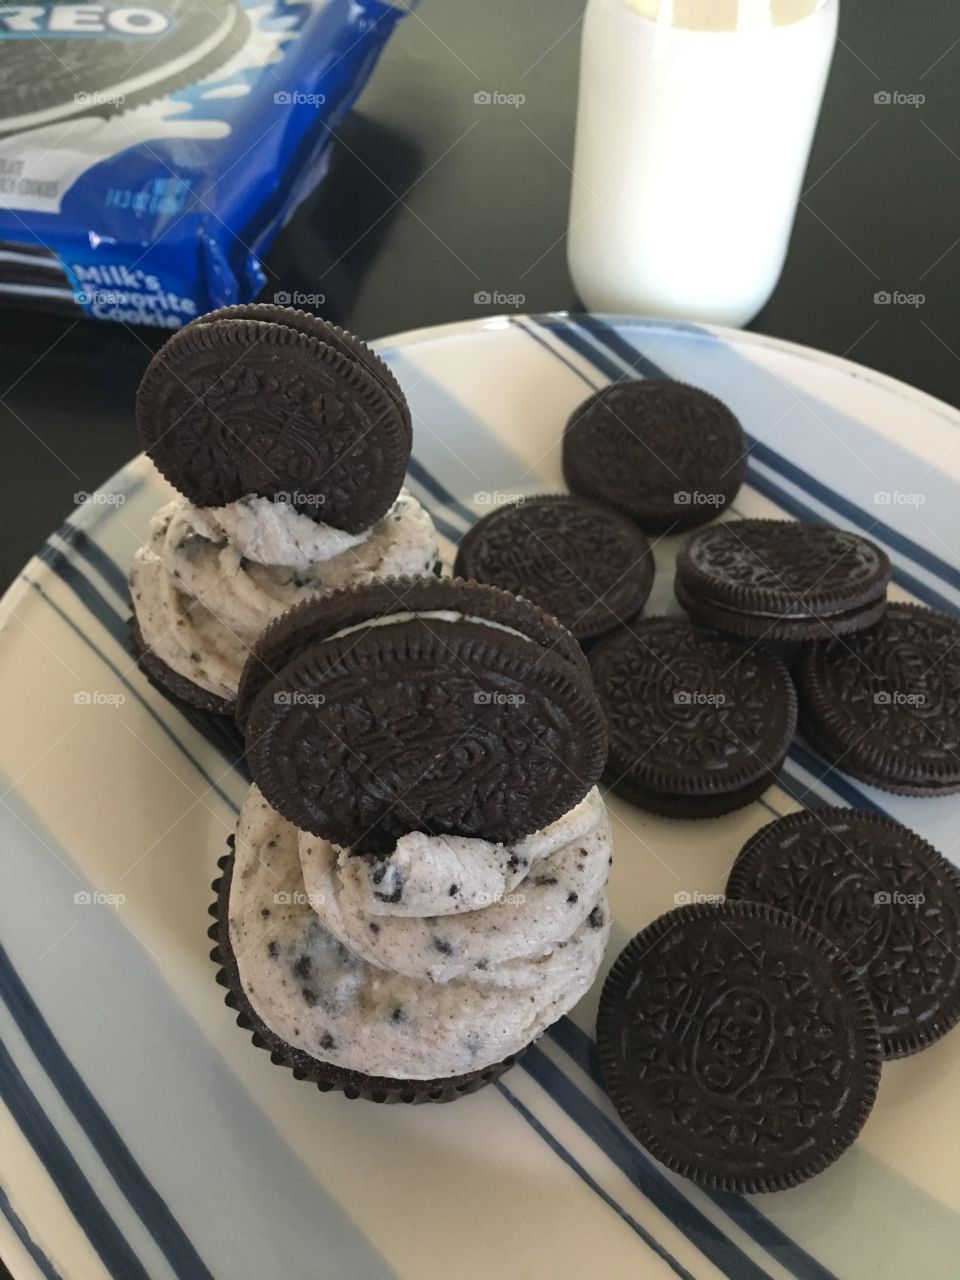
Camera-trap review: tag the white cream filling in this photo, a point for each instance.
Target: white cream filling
(202, 603)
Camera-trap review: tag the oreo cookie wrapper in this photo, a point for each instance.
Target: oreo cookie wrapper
(327, 1078)
(131, 134)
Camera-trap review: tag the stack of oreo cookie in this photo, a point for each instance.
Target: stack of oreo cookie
(702, 713)
(416, 887)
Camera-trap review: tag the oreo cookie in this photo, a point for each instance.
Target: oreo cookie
(884, 705)
(738, 1046)
(586, 564)
(326, 1076)
(322, 617)
(883, 896)
(465, 724)
(698, 723)
(782, 580)
(62, 60)
(287, 408)
(669, 455)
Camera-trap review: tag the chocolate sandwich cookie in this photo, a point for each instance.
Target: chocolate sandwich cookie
(325, 1075)
(461, 725)
(782, 580)
(172, 682)
(698, 723)
(883, 896)
(586, 564)
(58, 60)
(669, 455)
(884, 705)
(325, 616)
(739, 1046)
(233, 406)
(350, 346)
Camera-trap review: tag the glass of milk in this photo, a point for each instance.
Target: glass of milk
(693, 133)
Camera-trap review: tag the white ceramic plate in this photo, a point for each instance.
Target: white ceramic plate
(140, 1132)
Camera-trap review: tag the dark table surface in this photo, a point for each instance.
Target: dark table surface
(432, 199)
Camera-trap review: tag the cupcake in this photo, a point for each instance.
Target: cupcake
(416, 889)
(288, 441)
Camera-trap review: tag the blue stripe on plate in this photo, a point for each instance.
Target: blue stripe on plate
(442, 494)
(39, 1258)
(102, 611)
(579, 1046)
(99, 1228)
(591, 1182)
(640, 1170)
(146, 1202)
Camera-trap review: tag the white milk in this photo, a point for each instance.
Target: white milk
(694, 128)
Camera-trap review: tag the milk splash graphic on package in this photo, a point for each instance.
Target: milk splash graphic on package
(149, 153)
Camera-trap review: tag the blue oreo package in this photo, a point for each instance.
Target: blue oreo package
(150, 152)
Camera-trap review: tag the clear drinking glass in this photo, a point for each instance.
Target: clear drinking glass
(693, 133)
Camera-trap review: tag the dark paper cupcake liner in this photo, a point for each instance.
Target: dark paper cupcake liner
(326, 1076)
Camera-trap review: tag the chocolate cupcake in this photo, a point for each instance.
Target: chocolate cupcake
(287, 440)
(417, 886)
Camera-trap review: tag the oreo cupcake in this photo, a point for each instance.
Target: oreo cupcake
(417, 886)
(288, 441)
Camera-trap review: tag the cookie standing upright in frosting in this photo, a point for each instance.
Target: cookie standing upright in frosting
(417, 887)
(288, 440)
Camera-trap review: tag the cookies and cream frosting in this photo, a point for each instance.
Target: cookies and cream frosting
(441, 959)
(211, 578)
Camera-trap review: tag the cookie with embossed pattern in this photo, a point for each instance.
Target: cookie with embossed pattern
(669, 455)
(739, 1046)
(375, 603)
(883, 895)
(288, 407)
(782, 580)
(884, 705)
(586, 564)
(699, 723)
(444, 720)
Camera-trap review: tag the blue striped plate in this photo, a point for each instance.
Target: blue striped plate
(141, 1135)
